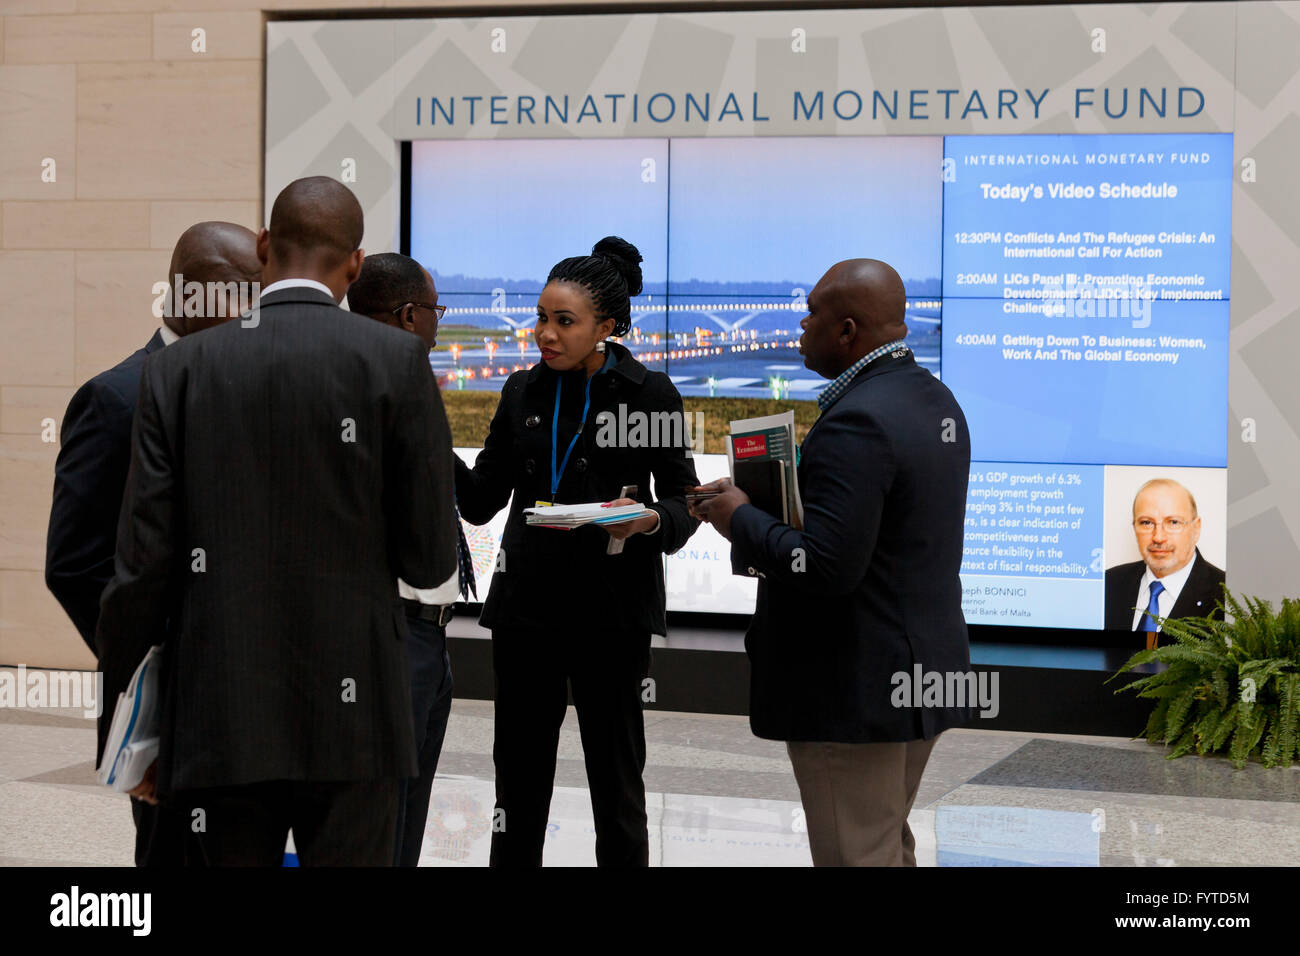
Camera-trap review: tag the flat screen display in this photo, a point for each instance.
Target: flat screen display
(1071, 290)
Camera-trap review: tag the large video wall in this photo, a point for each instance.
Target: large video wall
(1072, 290)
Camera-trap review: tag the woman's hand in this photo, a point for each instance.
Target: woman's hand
(625, 529)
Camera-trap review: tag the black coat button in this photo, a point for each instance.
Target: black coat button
(530, 466)
(580, 464)
(532, 421)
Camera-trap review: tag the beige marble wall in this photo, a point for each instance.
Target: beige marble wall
(144, 137)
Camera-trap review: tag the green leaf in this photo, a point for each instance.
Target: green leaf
(1219, 681)
(1141, 657)
(1206, 728)
(1185, 743)
(1178, 708)
(1155, 729)
(1249, 730)
(1268, 754)
(1224, 729)
(1288, 724)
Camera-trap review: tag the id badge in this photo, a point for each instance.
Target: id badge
(543, 504)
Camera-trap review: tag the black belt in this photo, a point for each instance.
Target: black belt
(439, 614)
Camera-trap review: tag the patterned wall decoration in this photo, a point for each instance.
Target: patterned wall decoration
(342, 95)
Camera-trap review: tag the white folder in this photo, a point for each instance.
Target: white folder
(133, 736)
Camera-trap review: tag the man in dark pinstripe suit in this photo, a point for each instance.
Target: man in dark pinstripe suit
(280, 466)
(95, 453)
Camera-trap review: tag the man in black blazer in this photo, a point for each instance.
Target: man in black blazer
(865, 600)
(95, 450)
(398, 291)
(1172, 579)
(95, 441)
(286, 468)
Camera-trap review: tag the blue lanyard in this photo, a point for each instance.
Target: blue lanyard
(555, 421)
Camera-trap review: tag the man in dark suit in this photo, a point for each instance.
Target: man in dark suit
(866, 597)
(95, 450)
(398, 291)
(95, 442)
(286, 468)
(1172, 579)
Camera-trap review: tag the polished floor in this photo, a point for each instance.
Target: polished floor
(717, 796)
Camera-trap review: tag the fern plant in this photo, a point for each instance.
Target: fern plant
(1229, 685)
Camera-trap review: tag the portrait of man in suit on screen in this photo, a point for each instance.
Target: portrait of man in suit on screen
(1172, 580)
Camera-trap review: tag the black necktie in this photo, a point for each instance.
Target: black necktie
(465, 561)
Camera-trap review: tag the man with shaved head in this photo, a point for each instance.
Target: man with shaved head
(286, 468)
(1172, 580)
(314, 239)
(95, 445)
(866, 595)
(214, 276)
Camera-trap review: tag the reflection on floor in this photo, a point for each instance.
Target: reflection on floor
(717, 796)
(684, 830)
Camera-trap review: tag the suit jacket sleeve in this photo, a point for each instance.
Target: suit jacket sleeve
(94, 452)
(843, 487)
(483, 490)
(1120, 597)
(418, 480)
(136, 604)
(673, 473)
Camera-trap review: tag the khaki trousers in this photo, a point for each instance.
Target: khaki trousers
(856, 798)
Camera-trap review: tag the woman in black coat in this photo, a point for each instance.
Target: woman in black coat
(564, 612)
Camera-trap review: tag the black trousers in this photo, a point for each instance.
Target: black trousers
(534, 670)
(159, 835)
(350, 823)
(431, 706)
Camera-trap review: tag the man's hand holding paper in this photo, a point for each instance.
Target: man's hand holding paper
(717, 511)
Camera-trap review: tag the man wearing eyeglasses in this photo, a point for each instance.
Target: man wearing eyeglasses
(1172, 580)
(398, 291)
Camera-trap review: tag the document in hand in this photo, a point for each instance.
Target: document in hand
(133, 736)
(568, 517)
(761, 454)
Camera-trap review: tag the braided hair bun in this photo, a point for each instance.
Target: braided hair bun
(626, 259)
(611, 275)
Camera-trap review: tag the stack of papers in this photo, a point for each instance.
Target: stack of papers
(568, 517)
(133, 735)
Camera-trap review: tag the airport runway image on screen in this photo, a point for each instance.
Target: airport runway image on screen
(735, 233)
